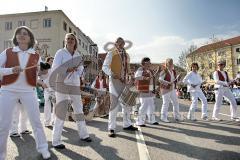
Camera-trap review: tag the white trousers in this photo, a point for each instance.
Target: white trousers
(48, 111)
(167, 97)
(8, 101)
(226, 92)
(195, 95)
(58, 123)
(147, 108)
(19, 120)
(116, 87)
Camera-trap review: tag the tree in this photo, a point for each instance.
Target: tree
(183, 56)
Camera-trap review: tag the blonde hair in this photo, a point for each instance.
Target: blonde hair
(168, 60)
(75, 38)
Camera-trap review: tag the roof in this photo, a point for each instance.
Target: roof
(217, 45)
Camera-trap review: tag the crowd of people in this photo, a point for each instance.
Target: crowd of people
(22, 69)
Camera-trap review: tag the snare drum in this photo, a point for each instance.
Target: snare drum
(128, 97)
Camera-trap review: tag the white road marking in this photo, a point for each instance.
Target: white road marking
(142, 147)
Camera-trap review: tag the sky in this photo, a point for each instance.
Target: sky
(158, 29)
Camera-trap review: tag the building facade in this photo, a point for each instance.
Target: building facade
(49, 29)
(207, 57)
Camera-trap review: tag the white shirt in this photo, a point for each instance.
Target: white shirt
(62, 56)
(218, 83)
(193, 78)
(163, 74)
(138, 76)
(238, 76)
(101, 85)
(45, 79)
(106, 64)
(21, 84)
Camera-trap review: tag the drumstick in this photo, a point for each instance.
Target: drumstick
(30, 67)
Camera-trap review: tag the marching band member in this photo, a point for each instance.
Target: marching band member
(100, 84)
(194, 81)
(19, 122)
(49, 97)
(69, 52)
(117, 66)
(143, 77)
(19, 84)
(168, 79)
(222, 83)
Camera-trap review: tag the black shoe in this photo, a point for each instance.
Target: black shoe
(131, 128)
(14, 135)
(26, 132)
(142, 125)
(88, 139)
(111, 134)
(155, 123)
(70, 118)
(60, 146)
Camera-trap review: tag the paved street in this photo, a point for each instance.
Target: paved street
(204, 140)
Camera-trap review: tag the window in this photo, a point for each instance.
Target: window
(7, 44)
(86, 47)
(210, 55)
(8, 26)
(79, 42)
(21, 23)
(210, 65)
(237, 49)
(34, 24)
(238, 61)
(221, 53)
(70, 30)
(64, 26)
(211, 76)
(47, 23)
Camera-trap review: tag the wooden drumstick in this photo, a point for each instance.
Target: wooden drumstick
(30, 67)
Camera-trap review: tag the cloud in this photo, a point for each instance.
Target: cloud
(159, 49)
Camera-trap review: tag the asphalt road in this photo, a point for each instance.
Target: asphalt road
(204, 140)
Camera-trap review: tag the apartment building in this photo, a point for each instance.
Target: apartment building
(49, 28)
(207, 57)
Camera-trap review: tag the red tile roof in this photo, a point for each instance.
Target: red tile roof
(217, 45)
